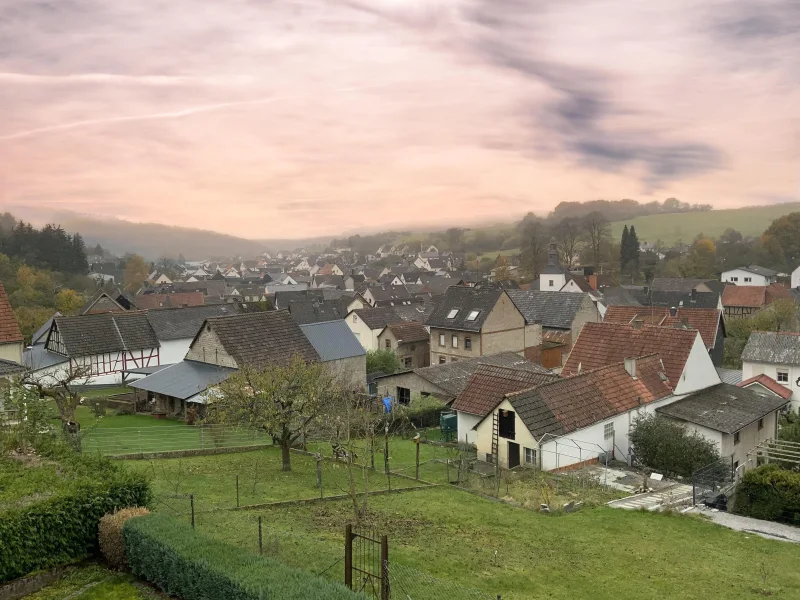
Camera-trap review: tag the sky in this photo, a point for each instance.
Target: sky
(294, 118)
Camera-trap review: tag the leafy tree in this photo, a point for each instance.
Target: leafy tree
(98, 250)
(285, 400)
(702, 260)
(63, 387)
(502, 272)
(385, 361)
(667, 447)
(136, 273)
(69, 301)
(455, 239)
(598, 232)
(782, 238)
(30, 318)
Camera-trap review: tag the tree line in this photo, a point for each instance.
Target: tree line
(49, 248)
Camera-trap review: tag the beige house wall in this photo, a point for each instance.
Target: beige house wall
(208, 349)
(587, 314)
(12, 352)
(483, 437)
(419, 352)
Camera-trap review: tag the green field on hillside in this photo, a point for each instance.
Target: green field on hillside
(684, 227)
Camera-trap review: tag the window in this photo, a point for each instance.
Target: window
(506, 421)
(403, 395)
(783, 376)
(467, 343)
(442, 360)
(407, 361)
(441, 339)
(734, 279)
(551, 283)
(748, 279)
(760, 424)
(388, 344)
(736, 438)
(530, 456)
(455, 341)
(355, 318)
(608, 431)
(452, 314)
(473, 315)
(736, 466)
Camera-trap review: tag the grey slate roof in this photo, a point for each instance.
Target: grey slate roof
(687, 299)
(759, 270)
(184, 379)
(315, 311)
(38, 357)
(182, 323)
(465, 300)
(675, 284)
(378, 318)
(619, 297)
(333, 340)
(9, 367)
(723, 407)
(259, 339)
(554, 309)
(415, 312)
(85, 335)
(732, 376)
(454, 376)
(773, 348)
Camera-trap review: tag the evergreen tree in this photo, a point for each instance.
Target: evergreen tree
(633, 252)
(623, 249)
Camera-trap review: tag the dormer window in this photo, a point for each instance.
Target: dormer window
(473, 314)
(452, 314)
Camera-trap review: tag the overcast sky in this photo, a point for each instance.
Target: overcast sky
(303, 117)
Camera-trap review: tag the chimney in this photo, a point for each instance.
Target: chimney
(630, 367)
(673, 312)
(637, 323)
(685, 322)
(592, 279)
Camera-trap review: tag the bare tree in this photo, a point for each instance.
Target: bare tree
(598, 232)
(284, 400)
(569, 238)
(534, 245)
(61, 386)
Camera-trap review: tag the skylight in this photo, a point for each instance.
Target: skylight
(473, 315)
(452, 314)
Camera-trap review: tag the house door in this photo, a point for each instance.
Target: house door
(513, 455)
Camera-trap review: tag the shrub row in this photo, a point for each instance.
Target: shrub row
(63, 528)
(771, 493)
(181, 562)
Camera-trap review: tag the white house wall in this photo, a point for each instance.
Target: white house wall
(368, 337)
(466, 422)
(796, 278)
(751, 369)
(174, 351)
(738, 276)
(699, 371)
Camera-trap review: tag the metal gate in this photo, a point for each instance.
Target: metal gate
(366, 562)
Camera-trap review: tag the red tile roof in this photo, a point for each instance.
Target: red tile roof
(704, 320)
(582, 400)
(409, 331)
(745, 295)
(602, 344)
(9, 328)
(490, 383)
(769, 383)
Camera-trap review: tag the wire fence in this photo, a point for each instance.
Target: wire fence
(407, 583)
(134, 440)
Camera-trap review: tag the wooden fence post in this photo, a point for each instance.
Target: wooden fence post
(348, 556)
(416, 441)
(384, 568)
(191, 500)
(260, 542)
(237, 490)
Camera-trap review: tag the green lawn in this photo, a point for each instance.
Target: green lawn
(94, 582)
(684, 227)
(599, 553)
(212, 479)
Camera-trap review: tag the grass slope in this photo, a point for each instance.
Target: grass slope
(94, 583)
(684, 227)
(599, 553)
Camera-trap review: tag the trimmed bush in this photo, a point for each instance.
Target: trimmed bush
(63, 528)
(181, 562)
(771, 493)
(664, 445)
(109, 534)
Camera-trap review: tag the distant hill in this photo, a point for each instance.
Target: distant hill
(684, 227)
(153, 241)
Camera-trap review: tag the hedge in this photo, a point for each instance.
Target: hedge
(181, 562)
(771, 493)
(63, 528)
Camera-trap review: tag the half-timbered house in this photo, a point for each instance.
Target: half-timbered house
(104, 346)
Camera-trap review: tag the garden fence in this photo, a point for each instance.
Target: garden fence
(134, 440)
(407, 583)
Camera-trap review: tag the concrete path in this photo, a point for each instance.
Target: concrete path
(765, 529)
(675, 495)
